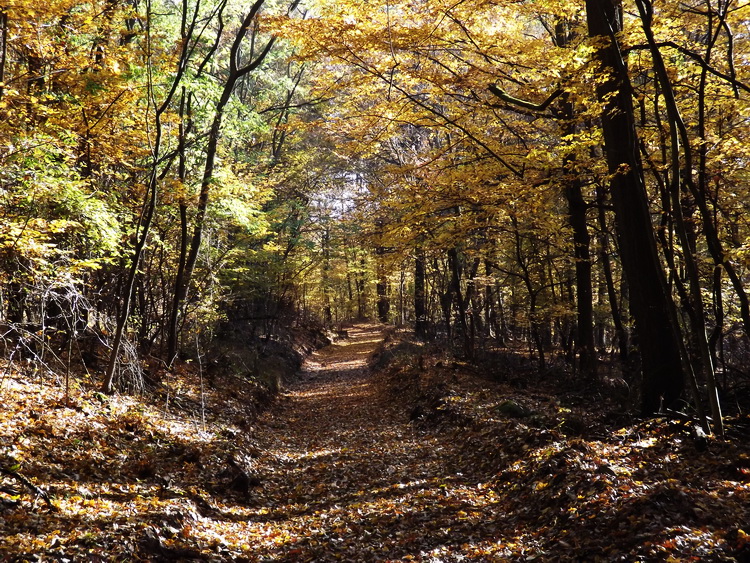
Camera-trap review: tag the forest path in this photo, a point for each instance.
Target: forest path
(346, 477)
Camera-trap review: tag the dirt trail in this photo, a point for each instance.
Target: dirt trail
(347, 478)
(343, 475)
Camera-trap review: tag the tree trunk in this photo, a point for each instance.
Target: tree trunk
(678, 136)
(3, 49)
(614, 306)
(651, 304)
(384, 303)
(360, 281)
(150, 198)
(455, 284)
(494, 326)
(325, 279)
(420, 301)
(584, 342)
(178, 297)
(16, 299)
(235, 73)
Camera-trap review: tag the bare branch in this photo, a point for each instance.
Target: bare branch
(504, 96)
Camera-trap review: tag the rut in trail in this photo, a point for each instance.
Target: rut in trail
(346, 477)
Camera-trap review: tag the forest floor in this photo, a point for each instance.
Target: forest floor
(375, 452)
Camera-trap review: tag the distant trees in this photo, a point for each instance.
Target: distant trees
(540, 124)
(118, 123)
(565, 178)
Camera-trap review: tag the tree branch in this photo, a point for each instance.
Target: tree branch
(504, 96)
(697, 58)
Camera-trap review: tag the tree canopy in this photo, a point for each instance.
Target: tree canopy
(541, 194)
(564, 180)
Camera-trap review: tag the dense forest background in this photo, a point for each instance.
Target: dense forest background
(410, 280)
(557, 184)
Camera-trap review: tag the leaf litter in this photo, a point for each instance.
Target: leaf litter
(374, 453)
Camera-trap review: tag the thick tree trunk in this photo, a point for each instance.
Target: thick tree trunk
(679, 136)
(585, 346)
(650, 302)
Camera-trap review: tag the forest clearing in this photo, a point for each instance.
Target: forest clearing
(366, 456)
(390, 280)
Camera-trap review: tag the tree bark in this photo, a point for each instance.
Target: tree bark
(236, 71)
(584, 342)
(420, 300)
(614, 306)
(3, 49)
(381, 287)
(325, 278)
(657, 332)
(174, 315)
(679, 136)
(149, 204)
(454, 262)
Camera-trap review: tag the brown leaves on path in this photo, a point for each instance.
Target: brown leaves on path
(349, 477)
(416, 459)
(426, 461)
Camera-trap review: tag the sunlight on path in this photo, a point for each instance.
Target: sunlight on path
(345, 477)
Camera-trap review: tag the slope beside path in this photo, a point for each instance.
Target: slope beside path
(333, 471)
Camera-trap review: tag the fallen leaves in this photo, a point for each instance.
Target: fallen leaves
(338, 471)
